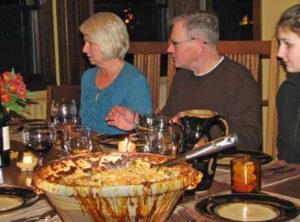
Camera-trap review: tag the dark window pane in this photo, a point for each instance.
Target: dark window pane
(16, 39)
(236, 20)
(146, 20)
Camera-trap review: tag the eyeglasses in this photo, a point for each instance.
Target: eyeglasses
(175, 43)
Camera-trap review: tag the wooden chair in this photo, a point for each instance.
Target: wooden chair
(63, 91)
(147, 57)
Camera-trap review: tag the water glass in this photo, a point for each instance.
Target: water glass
(77, 140)
(157, 135)
(150, 122)
(245, 175)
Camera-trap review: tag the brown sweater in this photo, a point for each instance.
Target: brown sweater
(230, 90)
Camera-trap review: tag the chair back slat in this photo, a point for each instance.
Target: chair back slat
(149, 64)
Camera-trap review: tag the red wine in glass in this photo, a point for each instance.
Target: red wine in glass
(39, 137)
(39, 148)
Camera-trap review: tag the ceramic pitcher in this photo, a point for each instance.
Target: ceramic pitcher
(199, 125)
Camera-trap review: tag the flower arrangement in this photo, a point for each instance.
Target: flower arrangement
(13, 92)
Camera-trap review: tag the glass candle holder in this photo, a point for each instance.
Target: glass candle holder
(245, 175)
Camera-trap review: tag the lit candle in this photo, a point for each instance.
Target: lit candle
(27, 159)
(126, 146)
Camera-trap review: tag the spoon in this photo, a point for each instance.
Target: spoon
(203, 150)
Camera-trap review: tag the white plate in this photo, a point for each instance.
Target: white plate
(12, 198)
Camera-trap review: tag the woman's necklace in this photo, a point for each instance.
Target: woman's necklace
(97, 95)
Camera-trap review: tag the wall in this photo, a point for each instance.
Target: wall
(37, 110)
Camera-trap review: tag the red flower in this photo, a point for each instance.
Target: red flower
(6, 76)
(5, 97)
(13, 91)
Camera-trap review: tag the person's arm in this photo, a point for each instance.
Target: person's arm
(244, 115)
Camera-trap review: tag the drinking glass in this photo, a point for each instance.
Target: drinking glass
(77, 140)
(158, 135)
(149, 122)
(39, 137)
(64, 113)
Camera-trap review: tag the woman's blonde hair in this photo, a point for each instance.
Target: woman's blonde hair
(109, 32)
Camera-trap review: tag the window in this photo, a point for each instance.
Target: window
(235, 18)
(25, 41)
(17, 38)
(146, 20)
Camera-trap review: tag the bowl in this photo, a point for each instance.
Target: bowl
(114, 186)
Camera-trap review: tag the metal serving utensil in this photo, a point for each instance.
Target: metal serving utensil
(203, 150)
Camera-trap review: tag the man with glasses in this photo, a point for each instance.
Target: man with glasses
(207, 80)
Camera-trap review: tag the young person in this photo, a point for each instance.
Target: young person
(288, 96)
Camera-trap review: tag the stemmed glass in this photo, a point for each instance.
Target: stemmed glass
(63, 115)
(39, 137)
(64, 112)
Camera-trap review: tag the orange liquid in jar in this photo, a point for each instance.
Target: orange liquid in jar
(245, 175)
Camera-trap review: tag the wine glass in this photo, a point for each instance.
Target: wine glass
(39, 137)
(64, 113)
(77, 140)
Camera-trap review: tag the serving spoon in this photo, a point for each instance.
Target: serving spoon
(200, 150)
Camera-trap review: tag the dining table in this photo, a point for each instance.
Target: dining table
(283, 184)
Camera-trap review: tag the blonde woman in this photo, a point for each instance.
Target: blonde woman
(288, 97)
(112, 81)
